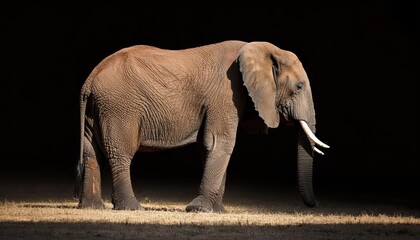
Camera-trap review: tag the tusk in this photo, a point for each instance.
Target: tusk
(311, 135)
(318, 151)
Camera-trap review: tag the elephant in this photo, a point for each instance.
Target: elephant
(145, 98)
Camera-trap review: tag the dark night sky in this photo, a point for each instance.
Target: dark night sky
(361, 58)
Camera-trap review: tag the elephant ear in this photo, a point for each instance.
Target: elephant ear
(256, 63)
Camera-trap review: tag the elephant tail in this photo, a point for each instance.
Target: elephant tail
(80, 168)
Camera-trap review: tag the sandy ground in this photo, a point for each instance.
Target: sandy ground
(42, 208)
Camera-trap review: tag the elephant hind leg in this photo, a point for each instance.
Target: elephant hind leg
(123, 197)
(91, 192)
(120, 143)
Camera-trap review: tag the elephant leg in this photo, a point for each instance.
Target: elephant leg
(218, 205)
(119, 145)
(91, 192)
(212, 183)
(123, 197)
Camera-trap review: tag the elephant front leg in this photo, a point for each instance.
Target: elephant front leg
(122, 191)
(218, 204)
(212, 184)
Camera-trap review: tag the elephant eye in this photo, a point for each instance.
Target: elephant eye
(299, 86)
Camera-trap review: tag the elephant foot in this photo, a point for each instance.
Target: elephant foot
(219, 208)
(200, 204)
(94, 204)
(132, 204)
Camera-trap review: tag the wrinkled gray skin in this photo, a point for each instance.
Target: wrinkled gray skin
(143, 98)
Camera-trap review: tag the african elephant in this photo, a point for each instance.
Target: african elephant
(143, 98)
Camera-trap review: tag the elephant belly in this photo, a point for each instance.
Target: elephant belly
(164, 141)
(166, 124)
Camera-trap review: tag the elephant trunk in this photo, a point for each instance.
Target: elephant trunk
(307, 145)
(305, 168)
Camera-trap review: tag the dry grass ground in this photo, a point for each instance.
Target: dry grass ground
(167, 220)
(45, 210)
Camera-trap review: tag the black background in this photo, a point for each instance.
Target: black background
(361, 58)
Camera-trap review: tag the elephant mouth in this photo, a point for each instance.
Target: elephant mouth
(312, 137)
(286, 120)
(284, 113)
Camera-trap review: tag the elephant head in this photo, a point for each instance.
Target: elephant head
(279, 87)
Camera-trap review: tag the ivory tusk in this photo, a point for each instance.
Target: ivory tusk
(318, 151)
(311, 135)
